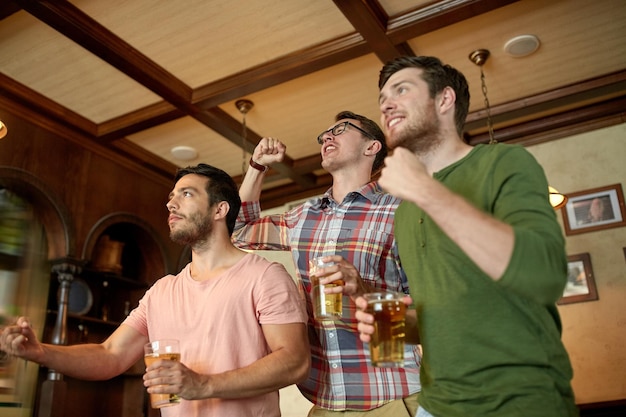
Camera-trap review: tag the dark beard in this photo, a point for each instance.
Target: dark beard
(422, 138)
(198, 231)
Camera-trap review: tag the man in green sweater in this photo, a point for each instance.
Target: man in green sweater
(483, 252)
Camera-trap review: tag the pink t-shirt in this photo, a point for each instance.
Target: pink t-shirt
(218, 323)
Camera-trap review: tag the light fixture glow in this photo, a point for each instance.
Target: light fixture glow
(3, 130)
(557, 200)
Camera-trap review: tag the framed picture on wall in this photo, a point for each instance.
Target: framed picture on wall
(581, 285)
(595, 209)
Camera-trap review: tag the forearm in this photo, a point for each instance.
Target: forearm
(270, 373)
(86, 361)
(251, 186)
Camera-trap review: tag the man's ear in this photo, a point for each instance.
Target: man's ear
(373, 147)
(221, 210)
(446, 100)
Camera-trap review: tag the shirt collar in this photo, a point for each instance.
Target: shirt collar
(370, 191)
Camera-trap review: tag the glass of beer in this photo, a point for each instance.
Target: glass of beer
(168, 349)
(325, 306)
(387, 342)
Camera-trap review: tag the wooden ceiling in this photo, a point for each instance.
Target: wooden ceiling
(138, 77)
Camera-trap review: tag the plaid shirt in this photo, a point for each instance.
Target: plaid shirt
(361, 230)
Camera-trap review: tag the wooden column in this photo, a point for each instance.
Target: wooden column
(53, 389)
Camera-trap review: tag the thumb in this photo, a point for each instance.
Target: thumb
(24, 323)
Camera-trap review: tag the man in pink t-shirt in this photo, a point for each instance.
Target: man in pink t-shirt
(240, 319)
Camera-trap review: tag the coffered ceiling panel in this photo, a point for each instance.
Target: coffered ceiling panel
(39, 57)
(136, 78)
(202, 41)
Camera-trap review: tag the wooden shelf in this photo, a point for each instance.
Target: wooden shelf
(86, 318)
(129, 283)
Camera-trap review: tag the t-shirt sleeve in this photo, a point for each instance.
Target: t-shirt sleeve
(280, 302)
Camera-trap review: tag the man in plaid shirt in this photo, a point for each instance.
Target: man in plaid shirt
(352, 224)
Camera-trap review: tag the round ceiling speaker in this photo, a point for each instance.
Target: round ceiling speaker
(522, 45)
(184, 153)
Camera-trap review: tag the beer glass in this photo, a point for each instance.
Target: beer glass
(387, 342)
(325, 306)
(162, 349)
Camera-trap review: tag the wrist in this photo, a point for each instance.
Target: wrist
(258, 166)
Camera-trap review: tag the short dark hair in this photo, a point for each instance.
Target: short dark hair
(437, 76)
(220, 187)
(373, 129)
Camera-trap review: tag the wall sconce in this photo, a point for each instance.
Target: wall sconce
(3, 130)
(557, 200)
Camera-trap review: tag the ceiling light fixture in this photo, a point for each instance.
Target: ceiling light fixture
(184, 153)
(479, 57)
(244, 106)
(522, 45)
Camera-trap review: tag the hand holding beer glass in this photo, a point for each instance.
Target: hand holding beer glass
(387, 341)
(325, 306)
(167, 349)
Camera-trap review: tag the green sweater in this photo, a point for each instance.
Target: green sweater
(491, 348)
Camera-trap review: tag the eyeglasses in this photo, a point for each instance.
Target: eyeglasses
(339, 128)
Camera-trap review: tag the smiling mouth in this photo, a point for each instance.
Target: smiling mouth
(391, 123)
(329, 148)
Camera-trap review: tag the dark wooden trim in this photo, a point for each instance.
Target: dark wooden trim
(370, 20)
(595, 89)
(7, 8)
(566, 123)
(21, 95)
(289, 67)
(436, 16)
(616, 408)
(138, 121)
(82, 140)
